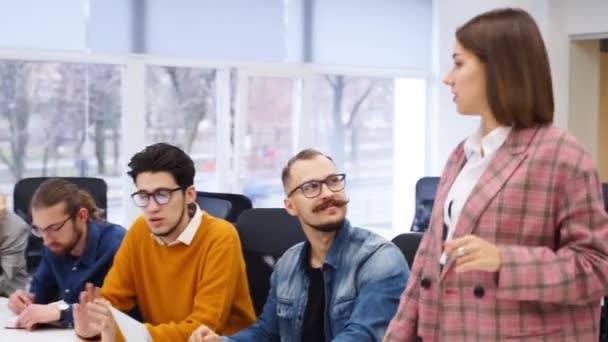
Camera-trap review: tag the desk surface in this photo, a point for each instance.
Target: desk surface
(21, 335)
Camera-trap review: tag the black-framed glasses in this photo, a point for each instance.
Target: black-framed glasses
(312, 189)
(161, 196)
(52, 228)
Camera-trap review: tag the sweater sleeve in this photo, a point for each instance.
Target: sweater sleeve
(215, 290)
(118, 286)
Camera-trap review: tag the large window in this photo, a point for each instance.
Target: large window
(60, 119)
(181, 110)
(240, 125)
(268, 139)
(353, 122)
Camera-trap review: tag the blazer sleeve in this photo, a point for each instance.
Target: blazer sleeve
(576, 272)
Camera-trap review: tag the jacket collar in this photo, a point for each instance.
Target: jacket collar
(333, 255)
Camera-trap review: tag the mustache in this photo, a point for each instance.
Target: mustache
(335, 202)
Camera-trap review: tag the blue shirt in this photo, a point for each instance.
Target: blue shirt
(364, 276)
(64, 277)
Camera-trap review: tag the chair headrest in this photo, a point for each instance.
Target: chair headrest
(268, 230)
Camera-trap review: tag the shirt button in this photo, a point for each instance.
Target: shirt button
(67, 290)
(74, 268)
(418, 339)
(425, 283)
(479, 291)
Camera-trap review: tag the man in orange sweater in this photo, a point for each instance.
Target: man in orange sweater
(179, 265)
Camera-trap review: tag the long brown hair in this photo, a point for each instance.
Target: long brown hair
(57, 190)
(518, 76)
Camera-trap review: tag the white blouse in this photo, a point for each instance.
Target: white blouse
(469, 175)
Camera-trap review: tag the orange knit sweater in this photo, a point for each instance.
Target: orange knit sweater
(180, 287)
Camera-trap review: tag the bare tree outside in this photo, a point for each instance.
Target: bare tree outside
(180, 110)
(104, 84)
(179, 100)
(353, 121)
(351, 96)
(43, 121)
(15, 110)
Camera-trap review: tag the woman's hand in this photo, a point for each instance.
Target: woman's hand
(473, 254)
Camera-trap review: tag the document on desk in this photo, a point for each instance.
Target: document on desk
(10, 322)
(132, 330)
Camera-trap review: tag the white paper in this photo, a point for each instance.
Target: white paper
(132, 330)
(11, 323)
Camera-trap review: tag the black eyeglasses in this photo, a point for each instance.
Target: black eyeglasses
(53, 228)
(312, 189)
(161, 196)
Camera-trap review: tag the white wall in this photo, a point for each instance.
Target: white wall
(227, 29)
(377, 33)
(58, 24)
(575, 65)
(584, 16)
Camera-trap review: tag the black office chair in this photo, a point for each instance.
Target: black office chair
(217, 207)
(408, 244)
(265, 233)
(604, 317)
(426, 189)
(605, 193)
(23, 192)
(238, 203)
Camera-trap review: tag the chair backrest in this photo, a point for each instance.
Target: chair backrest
(408, 244)
(217, 207)
(25, 188)
(426, 189)
(265, 233)
(605, 192)
(239, 203)
(604, 312)
(22, 195)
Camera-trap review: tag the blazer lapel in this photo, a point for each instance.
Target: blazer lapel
(505, 162)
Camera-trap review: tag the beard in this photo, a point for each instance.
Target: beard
(328, 227)
(67, 248)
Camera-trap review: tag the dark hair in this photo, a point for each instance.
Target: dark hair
(163, 157)
(56, 190)
(518, 76)
(306, 154)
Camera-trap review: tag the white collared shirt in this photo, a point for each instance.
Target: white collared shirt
(468, 177)
(188, 234)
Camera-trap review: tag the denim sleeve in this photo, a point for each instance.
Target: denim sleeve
(44, 285)
(266, 328)
(381, 281)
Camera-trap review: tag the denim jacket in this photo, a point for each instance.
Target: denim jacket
(364, 276)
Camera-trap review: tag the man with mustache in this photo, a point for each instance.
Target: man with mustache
(342, 284)
(78, 249)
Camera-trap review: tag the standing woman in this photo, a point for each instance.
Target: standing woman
(518, 242)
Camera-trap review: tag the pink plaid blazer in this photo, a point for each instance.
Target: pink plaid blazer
(540, 202)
